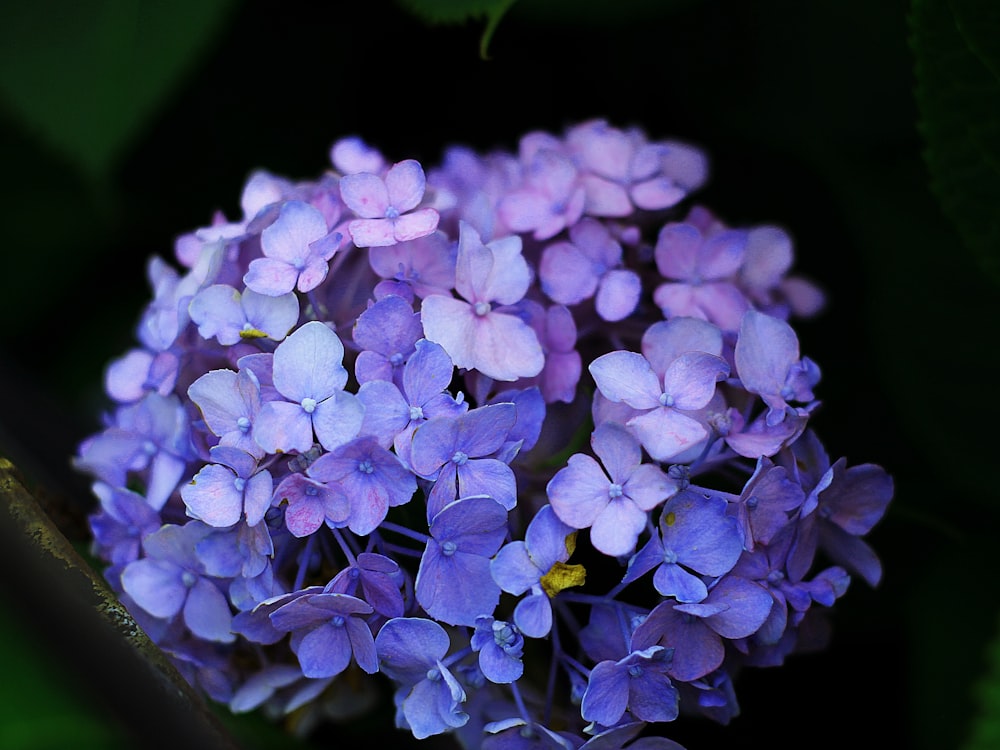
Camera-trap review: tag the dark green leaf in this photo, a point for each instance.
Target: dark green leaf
(956, 46)
(461, 11)
(599, 12)
(986, 728)
(86, 76)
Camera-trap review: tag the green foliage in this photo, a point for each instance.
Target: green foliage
(86, 76)
(41, 706)
(986, 728)
(599, 12)
(956, 45)
(462, 11)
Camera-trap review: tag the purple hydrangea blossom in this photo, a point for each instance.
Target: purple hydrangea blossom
(229, 490)
(170, 580)
(453, 583)
(695, 534)
(768, 364)
(766, 503)
(379, 579)
(387, 333)
(664, 425)
(500, 646)
(557, 333)
(386, 205)
(310, 504)
(223, 313)
(150, 436)
(793, 596)
(352, 154)
(393, 413)
(327, 631)
(296, 252)
(735, 608)
(622, 169)
(372, 478)
(229, 402)
(310, 376)
(166, 316)
(475, 335)
(612, 502)
(425, 264)
(410, 650)
(844, 505)
(456, 451)
(536, 565)
(283, 513)
(588, 264)
(550, 199)
(129, 377)
(701, 270)
(124, 520)
(243, 553)
(637, 683)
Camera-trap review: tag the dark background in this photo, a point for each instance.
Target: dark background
(808, 113)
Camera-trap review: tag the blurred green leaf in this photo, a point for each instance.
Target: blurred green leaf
(461, 11)
(598, 12)
(986, 728)
(956, 47)
(86, 76)
(40, 706)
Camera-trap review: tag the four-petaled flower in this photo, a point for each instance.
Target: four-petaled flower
(386, 205)
(612, 502)
(476, 335)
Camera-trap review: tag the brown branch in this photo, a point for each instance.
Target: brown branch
(78, 617)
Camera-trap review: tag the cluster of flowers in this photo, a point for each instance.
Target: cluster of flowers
(357, 435)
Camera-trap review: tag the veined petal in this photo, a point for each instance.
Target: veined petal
(664, 432)
(505, 347)
(450, 323)
(617, 527)
(212, 497)
(217, 311)
(488, 476)
(627, 376)
(288, 238)
(618, 450)
(308, 364)
(513, 569)
(338, 419)
(666, 340)
(509, 274)
(207, 613)
(566, 274)
(766, 349)
(690, 379)
(579, 491)
(282, 427)
(365, 194)
(372, 232)
(618, 294)
(427, 372)
(324, 651)
(155, 585)
(405, 183)
(275, 316)
(271, 277)
(473, 264)
(417, 224)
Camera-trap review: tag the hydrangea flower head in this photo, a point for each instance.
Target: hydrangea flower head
(526, 437)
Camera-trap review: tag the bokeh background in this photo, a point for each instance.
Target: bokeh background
(869, 130)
